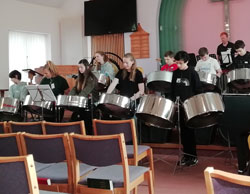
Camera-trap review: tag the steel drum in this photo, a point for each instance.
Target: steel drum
(102, 81)
(240, 79)
(159, 81)
(9, 105)
(156, 111)
(115, 105)
(72, 102)
(203, 110)
(209, 81)
(38, 107)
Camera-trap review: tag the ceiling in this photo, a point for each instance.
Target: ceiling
(49, 3)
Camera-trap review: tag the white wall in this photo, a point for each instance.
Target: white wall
(17, 15)
(65, 26)
(147, 15)
(73, 11)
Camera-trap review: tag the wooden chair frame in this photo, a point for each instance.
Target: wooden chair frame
(137, 157)
(18, 140)
(26, 124)
(56, 187)
(5, 126)
(81, 123)
(127, 185)
(210, 173)
(29, 168)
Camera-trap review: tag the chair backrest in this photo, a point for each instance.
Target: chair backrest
(111, 127)
(77, 127)
(221, 182)
(98, 150)
(28, 127)
(46, 148)
(10, 144)
(18, 175)
(3, 127)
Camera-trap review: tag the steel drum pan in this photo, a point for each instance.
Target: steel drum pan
(203, 110)
(156, 111)
(102, 81)
(159, 81)
(72, 102)
(115, 105)
(239, 77)
(9, 109)
(38, 107)
(9, 105)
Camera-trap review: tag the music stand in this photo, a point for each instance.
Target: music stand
(226, 57)
(41, 93)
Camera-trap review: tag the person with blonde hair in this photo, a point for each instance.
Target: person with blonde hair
(129, 80)
(57, 83)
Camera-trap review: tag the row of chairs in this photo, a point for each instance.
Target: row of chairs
(42, 127)
(135, 153)
(69, 160)
(100, 127)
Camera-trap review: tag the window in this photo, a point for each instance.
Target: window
(27, 51)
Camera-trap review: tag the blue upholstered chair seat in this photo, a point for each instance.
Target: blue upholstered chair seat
(224, 187)
(41, 166)
(141, 149)
(58, 173)
(115, 173)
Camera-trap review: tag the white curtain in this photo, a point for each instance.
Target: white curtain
(27, 51)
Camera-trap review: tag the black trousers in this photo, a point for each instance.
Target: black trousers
(241, 136)
(187, 137)
(86, 117)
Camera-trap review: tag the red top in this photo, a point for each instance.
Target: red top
(167, 67)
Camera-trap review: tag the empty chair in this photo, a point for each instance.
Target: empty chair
(28, 127)
(10, 144)
(52, 154)
(221, 182)
(77, 127)
(127, 127)
(18, 175)
(108, 154)
(3, 127)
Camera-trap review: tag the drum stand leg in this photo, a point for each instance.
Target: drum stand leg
(180, 152)
(228, 151)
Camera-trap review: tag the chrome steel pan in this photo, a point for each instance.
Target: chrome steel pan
(156, 111)
(207, 78)
(102, 81)
(238, 74)
(159, 81)
(203, 110)
(116, 105)
(36, 107)
(9, 105)
(72, 102)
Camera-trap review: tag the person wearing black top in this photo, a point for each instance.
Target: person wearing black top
(225, 51)
(242, 59)
(129, 80)
(185, 84)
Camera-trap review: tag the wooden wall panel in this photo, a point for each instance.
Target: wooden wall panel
(109, 43)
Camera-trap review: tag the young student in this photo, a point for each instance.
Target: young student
(207, 63)
(129, 80)
(169, 60)
(85, 84)
(242, 59)
(18, 90)
(185, 84)
(104, 65)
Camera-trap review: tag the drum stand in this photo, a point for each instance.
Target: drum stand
(180, 152)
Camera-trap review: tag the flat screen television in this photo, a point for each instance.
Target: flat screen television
(109, 16)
